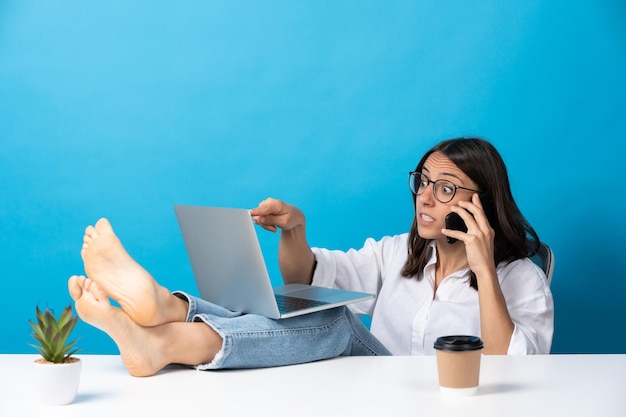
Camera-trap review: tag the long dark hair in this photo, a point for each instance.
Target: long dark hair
(480, 161)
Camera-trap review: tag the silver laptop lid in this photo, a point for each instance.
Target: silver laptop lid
(226, 258)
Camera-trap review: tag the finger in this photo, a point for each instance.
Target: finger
(463, 210)
(479, 213)
(267, 206)
(476, 200)
(457, 234)
(269, 227)
(267, 222)
(474, 210)
(475, 220)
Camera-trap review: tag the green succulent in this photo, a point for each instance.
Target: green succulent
(52, 334)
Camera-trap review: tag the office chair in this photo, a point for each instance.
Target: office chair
(544, 258)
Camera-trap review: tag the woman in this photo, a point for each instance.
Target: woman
(483, 284)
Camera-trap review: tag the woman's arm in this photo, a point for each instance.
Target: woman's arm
(295, 258)
(495, 322)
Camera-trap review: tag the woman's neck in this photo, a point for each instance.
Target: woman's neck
(450, 258)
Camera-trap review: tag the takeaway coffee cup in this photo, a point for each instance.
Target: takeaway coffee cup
(458, 364)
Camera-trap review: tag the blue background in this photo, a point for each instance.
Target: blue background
(123, 109)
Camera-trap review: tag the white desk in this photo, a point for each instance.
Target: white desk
(529, 386)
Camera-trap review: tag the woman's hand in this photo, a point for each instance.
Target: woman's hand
(479, 238)
(295, 258)
(272, 214)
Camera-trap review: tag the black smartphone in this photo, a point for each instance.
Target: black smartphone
(455, 222)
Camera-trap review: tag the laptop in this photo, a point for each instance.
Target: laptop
(230, 270)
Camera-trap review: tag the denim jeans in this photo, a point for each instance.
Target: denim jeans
(251, 341)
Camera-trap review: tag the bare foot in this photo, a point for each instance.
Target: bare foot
(117, 274)
(140, 347)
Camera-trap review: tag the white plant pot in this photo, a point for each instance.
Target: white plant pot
(56, 383)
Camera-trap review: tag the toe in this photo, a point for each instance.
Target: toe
(74, 285)
(90, 234)
(97, 292)
(103, 225)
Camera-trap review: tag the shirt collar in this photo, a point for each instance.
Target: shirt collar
(432, 261)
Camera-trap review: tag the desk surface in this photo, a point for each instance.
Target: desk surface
(549, 385)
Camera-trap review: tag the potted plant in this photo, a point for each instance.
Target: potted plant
(57, 372)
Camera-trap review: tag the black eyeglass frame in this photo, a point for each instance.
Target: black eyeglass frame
(414, 174)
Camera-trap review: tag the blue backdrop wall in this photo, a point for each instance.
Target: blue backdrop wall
(122, 109)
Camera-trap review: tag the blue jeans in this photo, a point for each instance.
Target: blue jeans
(251, 341)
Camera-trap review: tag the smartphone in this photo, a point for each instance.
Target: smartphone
(455, 222)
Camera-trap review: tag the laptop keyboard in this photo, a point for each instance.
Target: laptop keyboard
(287, 303)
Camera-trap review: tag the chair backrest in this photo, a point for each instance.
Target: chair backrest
(544, 258)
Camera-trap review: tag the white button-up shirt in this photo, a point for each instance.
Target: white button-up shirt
(408, 315)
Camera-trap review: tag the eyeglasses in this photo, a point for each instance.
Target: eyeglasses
(443, 190)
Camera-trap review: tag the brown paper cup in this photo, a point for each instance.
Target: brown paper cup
(458, 364)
